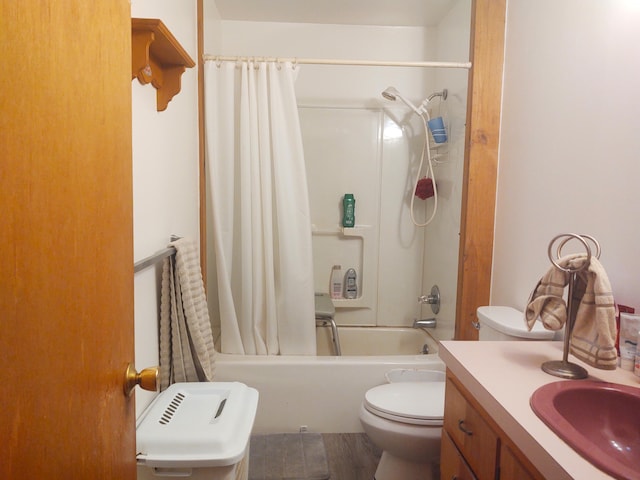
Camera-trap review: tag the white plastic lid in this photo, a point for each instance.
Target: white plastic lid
(510, 321)
(418, 403)
(414, 375)
(197, 425)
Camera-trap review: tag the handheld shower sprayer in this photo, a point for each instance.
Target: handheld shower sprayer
(391, 93)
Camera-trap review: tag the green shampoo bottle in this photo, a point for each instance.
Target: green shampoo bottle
(348, 210)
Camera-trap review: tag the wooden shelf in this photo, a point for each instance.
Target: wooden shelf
(157, 58)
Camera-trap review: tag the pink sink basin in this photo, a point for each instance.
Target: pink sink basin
(599, 420)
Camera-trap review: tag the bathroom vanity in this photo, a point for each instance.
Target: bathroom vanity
(490, 430)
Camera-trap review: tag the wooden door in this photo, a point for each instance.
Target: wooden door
(66, 275)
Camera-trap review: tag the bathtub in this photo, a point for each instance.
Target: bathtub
(323, 393)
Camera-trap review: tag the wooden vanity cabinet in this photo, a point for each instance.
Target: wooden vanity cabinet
(510, 467)
(452, 464)
(473, 445)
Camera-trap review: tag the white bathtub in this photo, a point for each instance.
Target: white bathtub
(323, 393)
(375, 341)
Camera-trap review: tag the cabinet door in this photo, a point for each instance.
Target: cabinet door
(510, 467)
(477, 443)
(452, 465)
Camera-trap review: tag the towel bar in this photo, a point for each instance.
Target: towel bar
(156, 257)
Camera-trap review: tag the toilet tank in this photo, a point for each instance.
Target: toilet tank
(507, 323)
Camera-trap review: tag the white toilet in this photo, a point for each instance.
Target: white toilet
(404, 419)
(506, 323)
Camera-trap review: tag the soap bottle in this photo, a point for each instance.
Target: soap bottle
(350, 284)
(335, 287)
(348, 210)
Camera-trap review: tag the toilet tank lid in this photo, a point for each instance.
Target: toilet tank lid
(510, 321)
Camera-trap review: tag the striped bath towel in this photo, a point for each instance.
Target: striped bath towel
(594, 332)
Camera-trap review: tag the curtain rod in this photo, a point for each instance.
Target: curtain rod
(333, 61)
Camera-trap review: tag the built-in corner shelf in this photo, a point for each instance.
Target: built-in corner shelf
(157, 58)
(369, 262)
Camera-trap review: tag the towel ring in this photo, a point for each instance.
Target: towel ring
(567, 237)
(563, 368)
(581, 236)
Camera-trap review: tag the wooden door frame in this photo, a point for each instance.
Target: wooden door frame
(201, 142)
(484, 102)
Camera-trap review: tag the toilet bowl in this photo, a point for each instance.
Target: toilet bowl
(506, 323)
(404, 419)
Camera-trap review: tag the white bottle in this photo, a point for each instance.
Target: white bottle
(350, 284)
(335, 282)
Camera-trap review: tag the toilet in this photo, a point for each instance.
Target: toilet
(507, 323)
(404, 419)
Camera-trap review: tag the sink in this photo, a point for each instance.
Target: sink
(599, 420)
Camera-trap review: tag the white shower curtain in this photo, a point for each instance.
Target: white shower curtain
(259, 209)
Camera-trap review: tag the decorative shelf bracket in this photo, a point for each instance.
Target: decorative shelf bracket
(157, 58)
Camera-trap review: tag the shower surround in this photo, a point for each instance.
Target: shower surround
(374, 153)
(355, 91)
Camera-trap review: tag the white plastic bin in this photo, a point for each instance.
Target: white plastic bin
(198, 431)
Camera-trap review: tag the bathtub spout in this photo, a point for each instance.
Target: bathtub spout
(425, 323)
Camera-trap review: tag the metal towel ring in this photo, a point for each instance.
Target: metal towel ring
(563, 368)
(567, 237)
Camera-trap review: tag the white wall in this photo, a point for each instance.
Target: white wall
(165, 174)
(345, 86)
(569, 141)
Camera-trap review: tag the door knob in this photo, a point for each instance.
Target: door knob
(147, 379)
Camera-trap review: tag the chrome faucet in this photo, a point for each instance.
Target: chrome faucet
(425, 323)
(433, 299)
(428, 299)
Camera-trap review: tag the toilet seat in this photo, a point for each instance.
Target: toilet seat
(416, 403)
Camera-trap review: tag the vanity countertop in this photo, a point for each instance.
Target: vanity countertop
(503, 375)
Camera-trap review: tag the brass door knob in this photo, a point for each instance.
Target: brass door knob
(147, 379)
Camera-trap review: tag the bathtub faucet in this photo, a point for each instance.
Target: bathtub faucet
(425, 323)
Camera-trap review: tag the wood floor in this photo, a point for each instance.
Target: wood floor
(351, 456)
